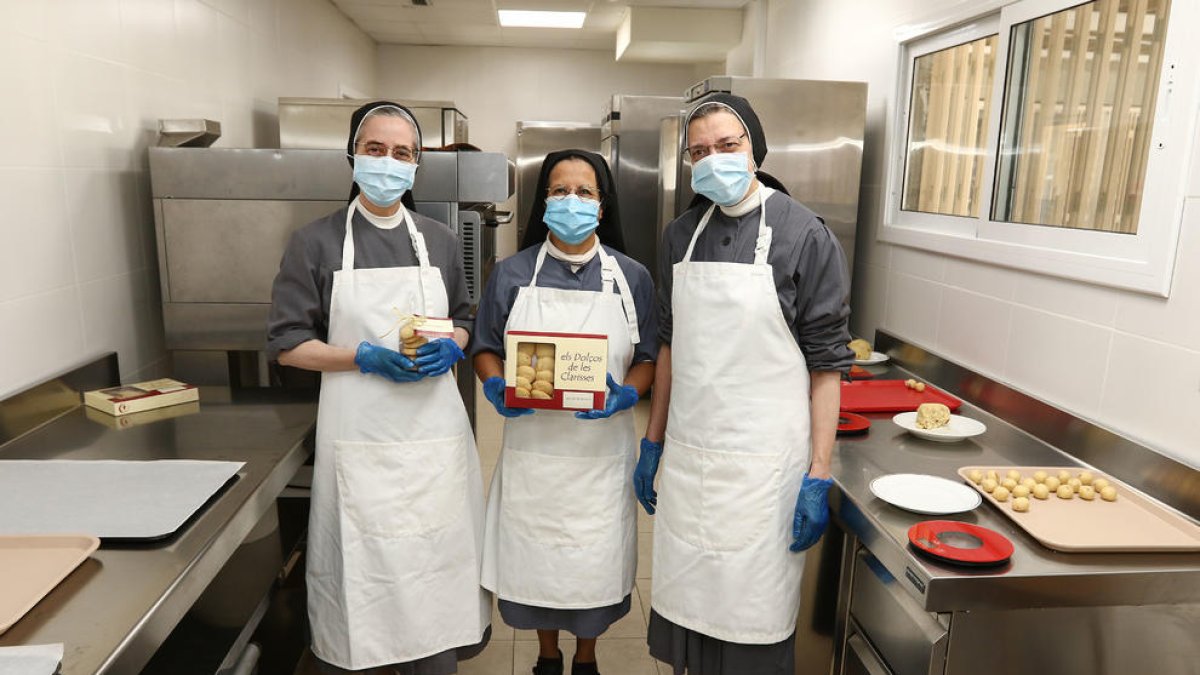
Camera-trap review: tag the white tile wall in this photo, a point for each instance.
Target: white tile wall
(1058, 359)
(1175, 320)
(83, 84)
(974, 329)
(913, 307)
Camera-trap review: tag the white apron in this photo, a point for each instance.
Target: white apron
(737, 446)
(561, 520)
(396, 525)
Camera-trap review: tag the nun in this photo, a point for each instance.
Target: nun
(560, 547)
(754, 314)
(395, 530)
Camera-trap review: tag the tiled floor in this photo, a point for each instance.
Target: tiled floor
(621, 650)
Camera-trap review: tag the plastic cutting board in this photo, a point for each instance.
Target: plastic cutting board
(870, 396)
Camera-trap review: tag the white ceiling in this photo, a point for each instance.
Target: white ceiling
(475, 23)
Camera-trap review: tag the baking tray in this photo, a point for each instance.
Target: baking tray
(1134, 522)
(32, 565)
(870, 396)
(111, 499)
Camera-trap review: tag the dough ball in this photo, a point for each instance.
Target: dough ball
(1020, 491)
(988, 484)
(1064, 476)
(522, 392)
(1014, 474)
(541, 395)
(526, 348)
(861, 348)
(975, 476)
(1052, 483)
(1040, 491)
(920, 386)
(1075, 484)
(526, 372)
(543, 386)
(1087, 492)
(544, 375)
(910, 383)
(1109, 493)
(524, 359)
(1064, 492)
(1028, 482)
(1009, 483)
(1039, 476)
(1000, 494)
(407, 332)
(932, 416)
(1100, 483)
(545, 351)
(991, 473)
(1086, 477)
(524, 383)
(1021, 504)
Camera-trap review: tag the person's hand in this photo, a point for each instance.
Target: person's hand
(643, 475)
(436, 357)
(620, 397)
(812, 512)
(385, 362)
(493, 390)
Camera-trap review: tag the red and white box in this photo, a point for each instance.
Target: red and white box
(555, 371)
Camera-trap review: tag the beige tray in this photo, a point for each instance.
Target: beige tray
(32, 565)
(1134, 522)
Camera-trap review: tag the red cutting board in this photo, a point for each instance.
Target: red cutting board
(891, 396)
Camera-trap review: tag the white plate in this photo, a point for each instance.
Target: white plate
(876, 358)
(959, 428)
(924, 494)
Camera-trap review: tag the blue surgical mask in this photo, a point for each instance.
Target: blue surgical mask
(572, 219)
(383, 180)
(723, 177)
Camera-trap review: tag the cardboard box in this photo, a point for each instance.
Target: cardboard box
(565, 371)
(132, 398)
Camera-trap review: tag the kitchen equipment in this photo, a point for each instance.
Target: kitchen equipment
(959, 428)
(925, 494)
(875, 359)
(891, 396)
(1134, 522)
(960, 543)
(110, 499)
(852, 424)
(32, 565)
(535, 140)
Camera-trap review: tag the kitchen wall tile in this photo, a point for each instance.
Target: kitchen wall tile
(997, 282)
(1073, 299)
(106, 224)
(918, 263)
(148, 35)
(233, 53)
(196, 30)
(913, 306)
(1152, 394)
(1057, 359)
(869, 302)
(28, 136)
(1194, 181)
(42, 336)
(91, 27)
(93, 122)
(23, 17)
(263, 20)
(36, 255)
(119, 315)
(238, 10)
(1175, 319)
(973, 330)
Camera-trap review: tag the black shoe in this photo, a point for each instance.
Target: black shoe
(588, 668)
(552, 666)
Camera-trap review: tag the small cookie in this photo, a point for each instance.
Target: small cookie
(544, 350)
(522, 392)
(542, 386)
(541, 394)
(524, 359)
(544, 376)
(526, 372)
(524, 382)
(526, 348)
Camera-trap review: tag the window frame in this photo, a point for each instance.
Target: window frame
(1142, 262)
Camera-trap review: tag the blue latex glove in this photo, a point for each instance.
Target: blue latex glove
(620, 397)
(493, 390)
(436, 357)
(812, 512)
(643, 475)
(386, 363)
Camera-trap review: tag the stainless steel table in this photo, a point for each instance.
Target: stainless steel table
(116, 609)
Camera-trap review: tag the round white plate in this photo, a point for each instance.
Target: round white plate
(959, 428)
(924, 494)
(876, 358)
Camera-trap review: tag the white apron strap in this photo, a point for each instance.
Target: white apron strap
(762, 243)
(414, 236)
(610, 273)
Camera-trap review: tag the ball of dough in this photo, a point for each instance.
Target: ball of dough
(975, 476)
(1021, 504)
(524, 383)
(861, 349)
(1028, 482)
(1009, 483)
(1087, 492)
(524, 359)
(526, 372)
(932, 416)
(1040, 491)
(537, 393)
(1020, 491)
(1065, 492)
(522, 392)
(920, 386)
(910, 383)
(1075, 484)
(1109, 493)
(1051, 483)
(991, 473)
(1039, 476)
(1100, 483)
(1064, 476)
(988, 484)
(543, 386)
(1014, 474)
(1086, 477)
(1000, 494)
(544, 376)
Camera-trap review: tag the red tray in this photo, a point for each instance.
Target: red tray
(870, 396)
(859, 373)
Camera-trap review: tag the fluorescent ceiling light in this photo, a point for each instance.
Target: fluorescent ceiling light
(522, 18)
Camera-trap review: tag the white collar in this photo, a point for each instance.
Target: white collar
(748, 203)
(575, 260)
(382, 222)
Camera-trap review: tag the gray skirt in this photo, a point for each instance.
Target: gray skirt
(699, 654)
(442, 663)
(582, 623)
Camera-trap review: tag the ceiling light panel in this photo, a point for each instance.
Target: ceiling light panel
(524, 18)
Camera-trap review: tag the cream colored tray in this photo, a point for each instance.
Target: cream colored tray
(1134, 522)
(32, 565)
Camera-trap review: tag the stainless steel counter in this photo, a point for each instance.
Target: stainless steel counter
(115, 610)
(1036, 576)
